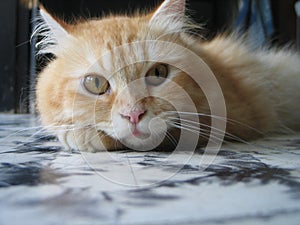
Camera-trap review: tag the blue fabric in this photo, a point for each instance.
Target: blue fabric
(255, 19)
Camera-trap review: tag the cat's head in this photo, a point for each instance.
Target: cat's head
(120, 75)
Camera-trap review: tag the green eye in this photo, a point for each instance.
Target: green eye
(95, 84)
(157, 74)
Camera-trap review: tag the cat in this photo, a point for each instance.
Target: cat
(117, 82)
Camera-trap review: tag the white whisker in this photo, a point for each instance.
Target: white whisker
(201, 134)
(213, 129)
(171, 138)
(228, 120)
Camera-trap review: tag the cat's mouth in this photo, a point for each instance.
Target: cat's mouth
(138, 134)
(143, 134)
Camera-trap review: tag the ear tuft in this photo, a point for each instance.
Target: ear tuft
(170, 15)
(50, 32)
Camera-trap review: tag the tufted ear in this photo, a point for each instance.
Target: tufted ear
(171, 14)
(51, 31)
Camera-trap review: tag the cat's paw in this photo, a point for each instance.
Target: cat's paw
(84, 140)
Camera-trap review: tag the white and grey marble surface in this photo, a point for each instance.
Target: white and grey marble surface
(257, 183)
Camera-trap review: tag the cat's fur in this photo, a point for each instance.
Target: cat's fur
(261, 87)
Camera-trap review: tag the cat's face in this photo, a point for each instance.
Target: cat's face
(110, 76)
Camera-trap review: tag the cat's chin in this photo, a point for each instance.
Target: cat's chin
(142, 142)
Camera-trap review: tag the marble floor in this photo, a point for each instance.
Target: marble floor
(254, 183)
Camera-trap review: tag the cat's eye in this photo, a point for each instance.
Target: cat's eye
(95, 84)
(157, 74)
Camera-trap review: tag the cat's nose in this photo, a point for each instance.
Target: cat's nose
(134, 117)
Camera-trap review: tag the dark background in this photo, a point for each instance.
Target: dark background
(17, 60)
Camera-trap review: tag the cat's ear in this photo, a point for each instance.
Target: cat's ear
(170, 14)
(51, 31)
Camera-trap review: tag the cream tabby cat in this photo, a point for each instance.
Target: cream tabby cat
(109, 86)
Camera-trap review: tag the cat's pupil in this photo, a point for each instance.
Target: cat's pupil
(157, 72)
(97, 82)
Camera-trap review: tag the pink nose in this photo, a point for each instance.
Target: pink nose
(134, 116)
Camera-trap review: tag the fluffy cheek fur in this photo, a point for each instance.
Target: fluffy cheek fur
(51, 96)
